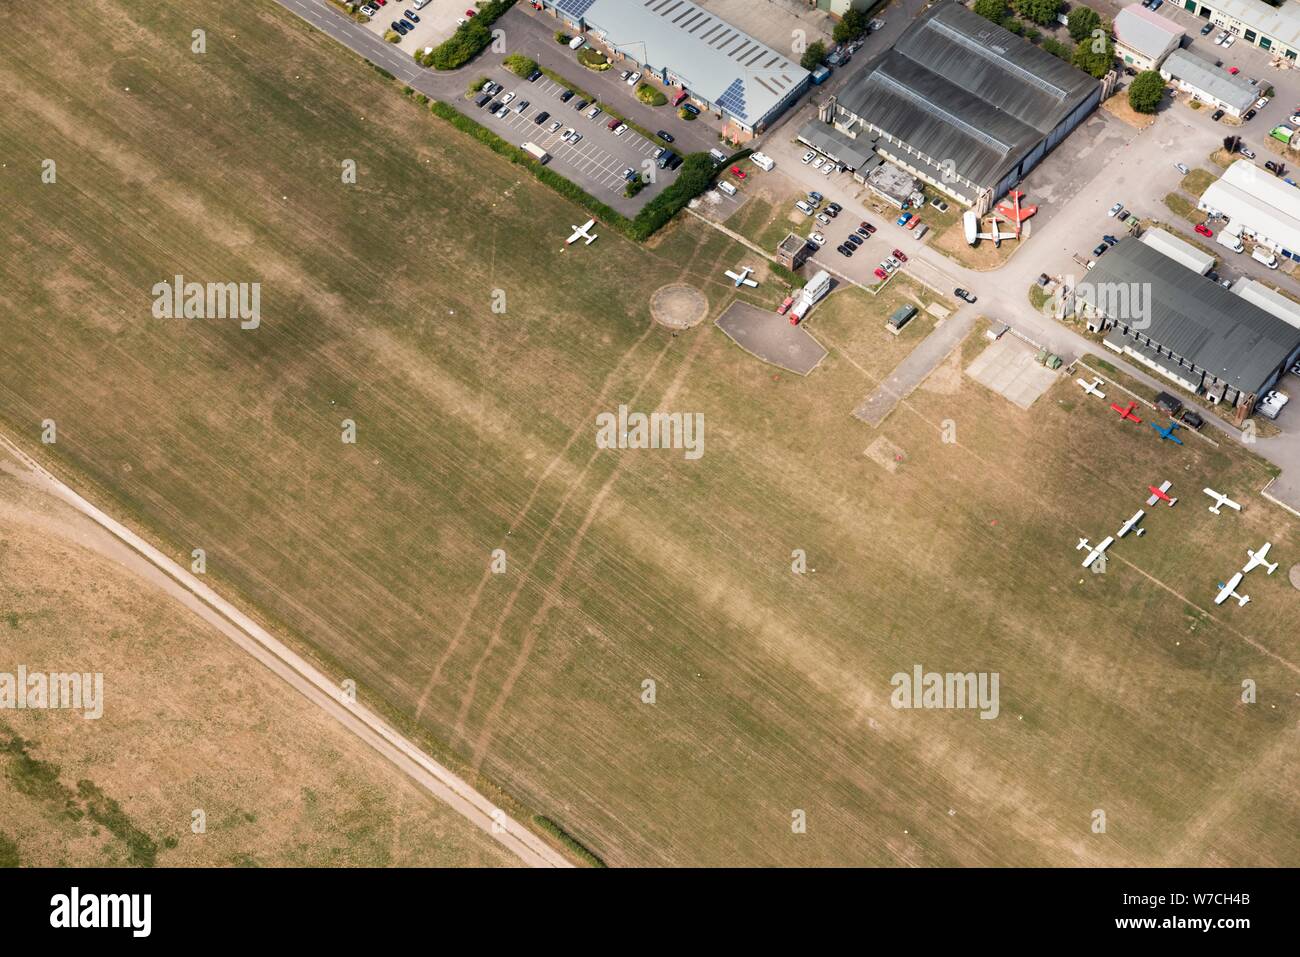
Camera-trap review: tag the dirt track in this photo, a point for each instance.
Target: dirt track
(119, 544)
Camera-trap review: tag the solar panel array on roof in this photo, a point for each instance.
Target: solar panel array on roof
(958, 87)
(713, 59)
(575, 8)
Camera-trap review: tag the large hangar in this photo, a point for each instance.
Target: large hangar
(964, 104)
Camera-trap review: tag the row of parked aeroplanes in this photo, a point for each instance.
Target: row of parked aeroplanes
(1095, 552)
(1126, 412)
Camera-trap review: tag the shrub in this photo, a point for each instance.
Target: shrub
(694, 177)
(995, 10)
(1146, 91)
(478, 84)
(392, 36)
(852, 26)
(1082, 21)
(685, 114)
(813, 56)
(593, 59)
(1093, 61)
(649, 95)
(562, 37)
(470, 39)
(1058, 49)
(519, 65)
(1042, 12)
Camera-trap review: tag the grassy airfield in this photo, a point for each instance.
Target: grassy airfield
(475, 432)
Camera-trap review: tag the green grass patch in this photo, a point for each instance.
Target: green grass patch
(568, 840)
(1196, 182)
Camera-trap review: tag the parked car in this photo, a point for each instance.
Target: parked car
(881, 274)
(866, 228)
(668, 137)
(1233, 70)
(581, 105)
(691, 109)
(508, 97)
(566, 96)
(1229, 41)
(817, 239)
(855, 240)
(613, 123)
(1099, 249)
(624, 74)
(737, 172)
(844, 249)
(1218, 41)
(1295, 369)
(1203, 229)
(1182, 168)
(1248, 115)
(1207, 29)
(807, 157)
(534, 76)
(1108, 240)
(620, 129)
(823, 219)
(815, 197)
(834, 209)
(541, 118)
(1216, 115)
(629, 174)
(400, 27)
(1192, 419)
(369, 11)
(555, 125)
(1272, 404)
(913, 223)
(521, 106)
(963, 294)
(634, 79)
(412, 16)
(594, 112)
(817, 163)
(784, 307)
(903, 220)
(1271, 167)
(900, 255)
(1115, 209)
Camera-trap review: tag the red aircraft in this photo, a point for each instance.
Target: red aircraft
(1161, 494)
(1126, 413)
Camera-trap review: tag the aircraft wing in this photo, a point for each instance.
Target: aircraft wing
(1226, 591)
(749, 282)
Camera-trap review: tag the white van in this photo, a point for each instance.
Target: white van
(421, 4)
(763, 162)
(1265, 256)
(727, 188)
(577, 42)
(719, 157)
(804, 208)
(1226, 238)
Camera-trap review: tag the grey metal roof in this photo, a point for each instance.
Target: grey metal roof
(1196, 318)
(956, 86)
(1146, 32)
(1205, 76)
(715, 60)
(844, 149)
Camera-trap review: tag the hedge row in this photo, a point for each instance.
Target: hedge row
(470, 39)
(694, 177)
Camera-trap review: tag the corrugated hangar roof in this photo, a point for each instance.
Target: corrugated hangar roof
(721, 63)
(1196, 318)
(956, 86)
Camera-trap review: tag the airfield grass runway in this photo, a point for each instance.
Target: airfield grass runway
(475, 432)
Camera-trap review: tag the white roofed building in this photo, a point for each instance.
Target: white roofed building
(1179, 250)
(1259, 206)
(1143, 38)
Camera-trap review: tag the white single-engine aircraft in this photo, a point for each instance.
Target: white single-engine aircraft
(1230, 591)
(1220, 501)
(1260, 558)
(1131, 525)
(742, 278)
(1096, 551)
(1092, 387)
(582, 232)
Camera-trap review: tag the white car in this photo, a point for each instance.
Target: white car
(817, 239)
(828, 168)
(1272, 404)
(1182, 168)
(1115, 209)
(1229, 42)
(808, 157)
(1218, 41)
(553, 127)
(503, 111)
(568, 134)
(823, 219)
(368, 10)
(508, 97)
(620, 129)
(817, 163)
(634, 79)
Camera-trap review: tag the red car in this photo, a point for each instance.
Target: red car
(1204, 230)
(471, 13)
(789, 301)
(1233, 70)
(881, 274)
(737, 172)
(794, 319)
(900, 255)
(914, 222)
(868, 227)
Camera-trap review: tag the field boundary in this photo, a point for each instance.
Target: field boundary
(313, 684)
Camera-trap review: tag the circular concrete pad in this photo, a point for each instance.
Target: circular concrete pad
(678, 306)
(1294, 575)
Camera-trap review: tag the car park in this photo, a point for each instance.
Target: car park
(964, 294)
(1203, 229)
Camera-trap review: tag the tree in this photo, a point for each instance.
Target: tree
(852, 26)
(1146, 91)
(1082, 21)
(520, 65)
(995, 10)
(1042, 12)
(813, 56)
(1095, 56)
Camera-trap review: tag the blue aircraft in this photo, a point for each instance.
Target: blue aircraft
(1169, 432)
